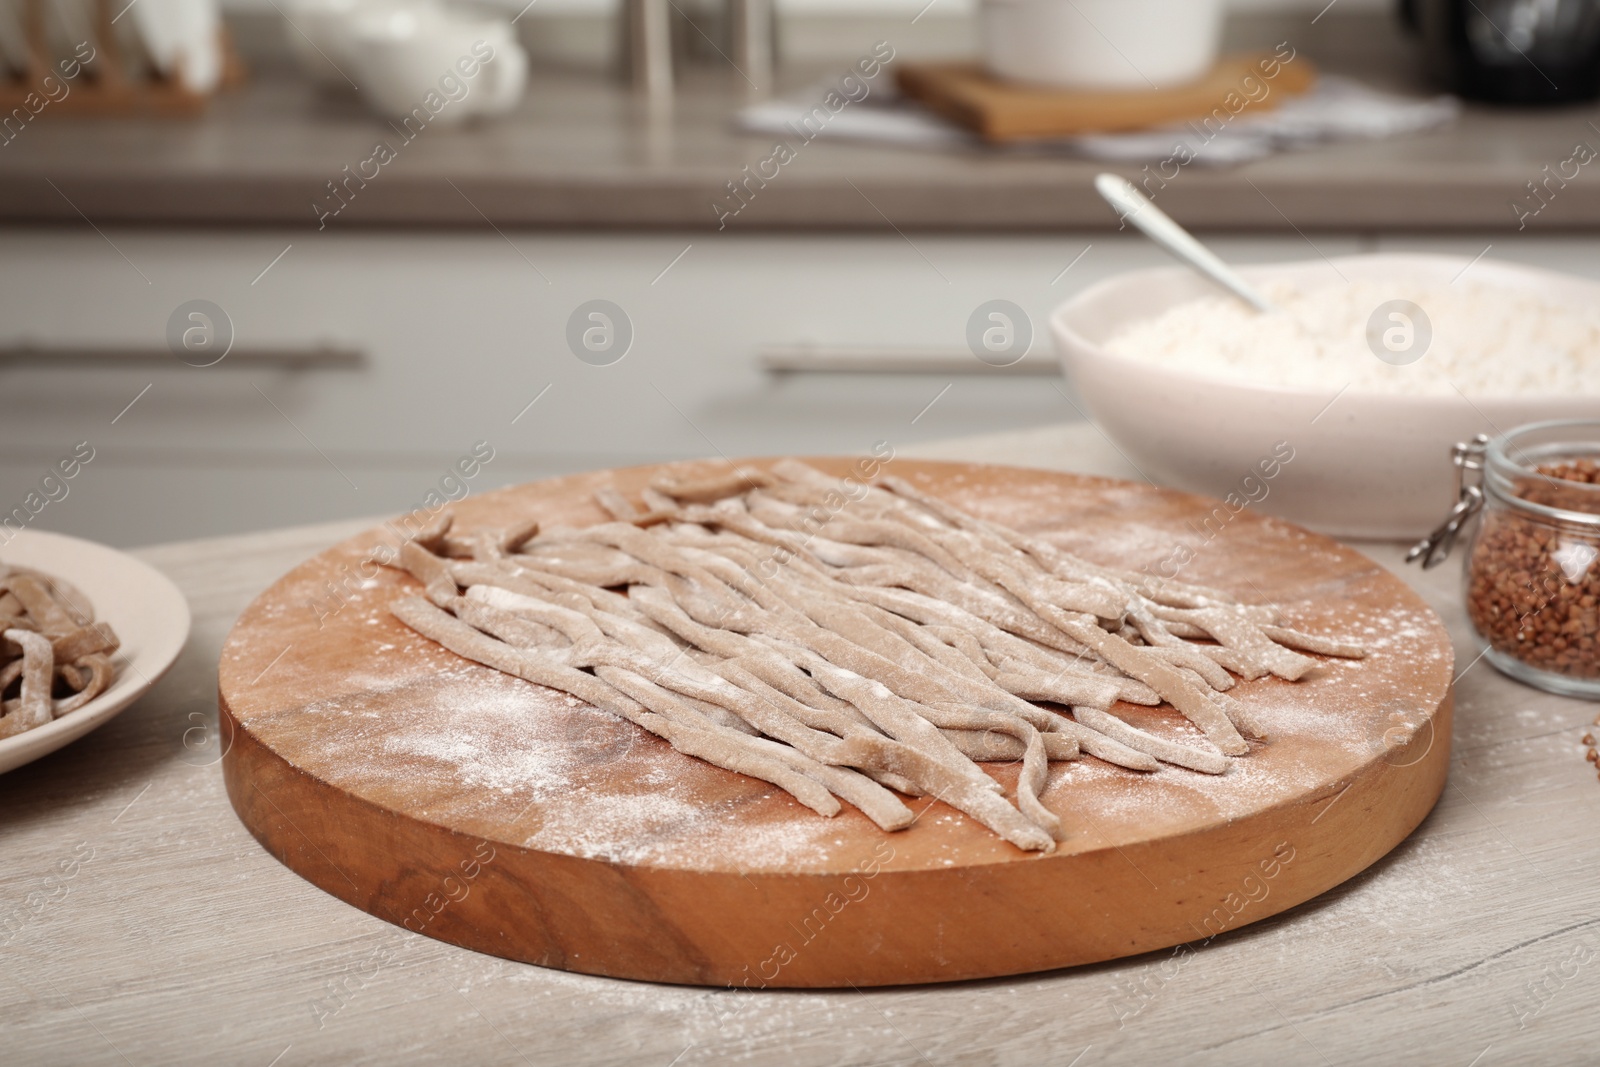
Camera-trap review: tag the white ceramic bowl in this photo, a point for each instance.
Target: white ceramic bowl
(403, 57)
(1101, 44)
(1370, 465)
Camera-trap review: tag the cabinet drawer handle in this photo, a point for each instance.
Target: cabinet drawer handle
(854, 359)
(308, 357)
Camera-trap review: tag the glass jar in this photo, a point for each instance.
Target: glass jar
(1532, 568)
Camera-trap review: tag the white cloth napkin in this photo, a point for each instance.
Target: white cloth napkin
(1335, 109)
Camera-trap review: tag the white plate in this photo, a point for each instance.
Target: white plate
(181, 37)
(142, 605)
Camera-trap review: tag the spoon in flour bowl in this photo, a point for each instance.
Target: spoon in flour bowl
(1133, 206)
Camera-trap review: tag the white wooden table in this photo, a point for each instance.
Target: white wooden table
(140, 924)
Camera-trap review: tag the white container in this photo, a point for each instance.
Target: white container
(1366, 465)
(406, 59)
(399, 54)
(1101, 44)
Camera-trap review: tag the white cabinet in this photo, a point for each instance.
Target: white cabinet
(458, 332)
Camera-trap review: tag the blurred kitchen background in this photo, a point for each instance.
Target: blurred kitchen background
(381, 313)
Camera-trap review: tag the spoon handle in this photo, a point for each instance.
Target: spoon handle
(1133, 206)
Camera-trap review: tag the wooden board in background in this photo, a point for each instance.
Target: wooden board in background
(511, 819)
(1007, 111)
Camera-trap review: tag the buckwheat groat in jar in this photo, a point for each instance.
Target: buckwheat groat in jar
(1533, 567)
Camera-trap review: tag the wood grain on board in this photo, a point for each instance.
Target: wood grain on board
(496, 815)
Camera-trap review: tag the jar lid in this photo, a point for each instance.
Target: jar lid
(1517, 470)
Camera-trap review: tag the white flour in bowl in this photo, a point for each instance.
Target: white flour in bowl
(1486, 340)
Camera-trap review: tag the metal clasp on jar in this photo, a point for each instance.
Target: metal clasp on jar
(1466, 456)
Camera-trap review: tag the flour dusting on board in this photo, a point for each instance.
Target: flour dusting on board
(569, 778)
(400, 721)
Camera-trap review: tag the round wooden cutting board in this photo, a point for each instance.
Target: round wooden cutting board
(491, 813)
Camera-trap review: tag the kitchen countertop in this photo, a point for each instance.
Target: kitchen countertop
(582, 152)
(179, 940)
